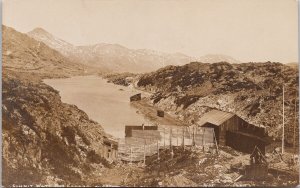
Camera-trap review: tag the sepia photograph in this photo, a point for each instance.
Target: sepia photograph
(150, 93)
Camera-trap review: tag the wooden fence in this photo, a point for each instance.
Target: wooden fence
(145, 143)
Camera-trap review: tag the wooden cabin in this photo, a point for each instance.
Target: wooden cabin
(233, 131)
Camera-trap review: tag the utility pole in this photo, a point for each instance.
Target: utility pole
(282, 146)
(282, 141)
(295, 124)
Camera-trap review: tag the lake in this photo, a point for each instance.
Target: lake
(105, 103)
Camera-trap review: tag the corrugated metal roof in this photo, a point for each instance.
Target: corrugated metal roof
(215, 117)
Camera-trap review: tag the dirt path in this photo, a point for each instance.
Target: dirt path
(150, 112)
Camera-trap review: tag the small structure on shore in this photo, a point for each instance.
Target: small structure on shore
(136, 97)
(233, 131)
(110, 149)
(160, 113)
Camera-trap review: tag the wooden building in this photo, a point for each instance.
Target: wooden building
(233, 131)
(110, 149)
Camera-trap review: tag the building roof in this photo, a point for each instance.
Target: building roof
(215, 117)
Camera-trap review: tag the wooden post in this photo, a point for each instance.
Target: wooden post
(157, 150)
(130, 155)
(282, 144)
(177, 136)
(193, 141)
(144, 151)
(196, 134)
(216, 142)
(203, 138)
(170, 137)
(294, 136)
(164, 138)
(183, 138)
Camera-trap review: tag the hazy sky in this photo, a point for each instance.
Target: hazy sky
(248, 30)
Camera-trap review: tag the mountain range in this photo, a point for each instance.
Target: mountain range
(117, 58)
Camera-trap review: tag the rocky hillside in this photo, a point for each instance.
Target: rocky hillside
(24, 54)
(251, 90)
(44, 140)
(113, 57)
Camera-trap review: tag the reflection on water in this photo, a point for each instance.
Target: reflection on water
(106, 103)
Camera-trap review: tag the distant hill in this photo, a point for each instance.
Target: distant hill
(24, 54)
(215, 58)
(113, 57)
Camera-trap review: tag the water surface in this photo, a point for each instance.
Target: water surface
(106, 103)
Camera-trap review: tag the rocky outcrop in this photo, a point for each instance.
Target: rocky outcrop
(251, 90)
(44, 140)
(124, 79)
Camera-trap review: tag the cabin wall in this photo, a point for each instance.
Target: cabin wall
(252, 129)
(231, 124)
(239, 134)
(244, 143)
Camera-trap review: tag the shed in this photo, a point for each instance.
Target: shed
(221, 122)
(110, 149)
(233, 131)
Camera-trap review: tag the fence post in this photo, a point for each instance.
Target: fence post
(183, 138)
(177, 136)
(216, 141)
(130, 155)
(203, 132)
(157, 150)
(196, 133)
(170, 137)
(193, 142)
(144, 151)
(164, 138)
(203, 135)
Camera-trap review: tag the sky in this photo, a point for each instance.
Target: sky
(248, 30)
